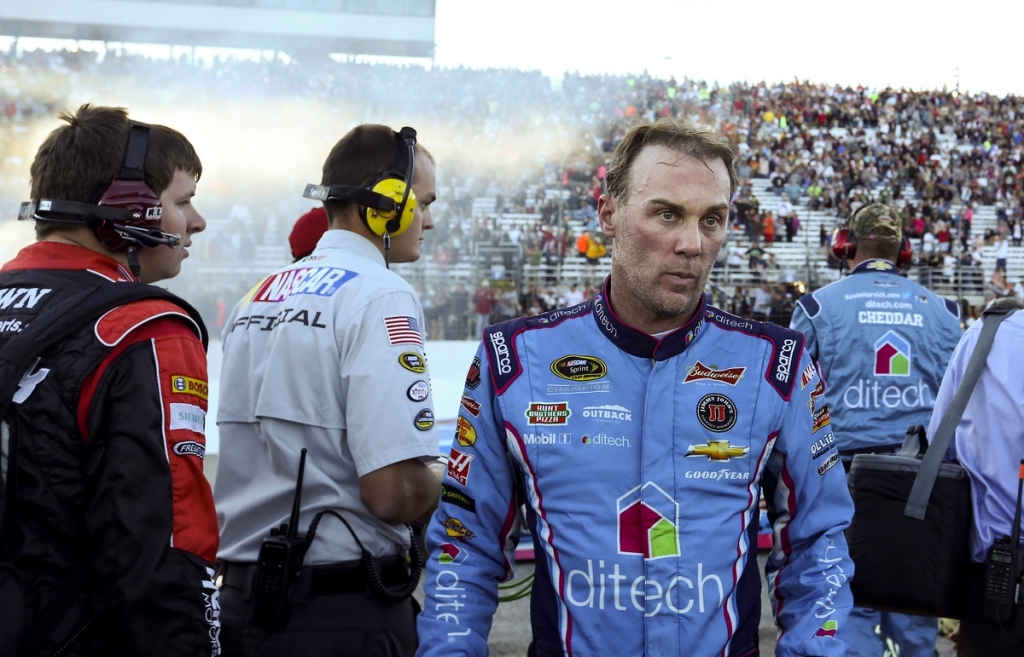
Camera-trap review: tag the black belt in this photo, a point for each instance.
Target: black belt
(326, 579)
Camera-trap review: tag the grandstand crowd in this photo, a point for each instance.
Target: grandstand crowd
(522, 162)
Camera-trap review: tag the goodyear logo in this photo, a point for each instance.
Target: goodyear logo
(579, 368)
(188, 386)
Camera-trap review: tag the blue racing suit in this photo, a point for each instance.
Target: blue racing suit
(881, 343)
(640, 463)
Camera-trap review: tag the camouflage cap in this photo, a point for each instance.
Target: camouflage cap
(877, 221)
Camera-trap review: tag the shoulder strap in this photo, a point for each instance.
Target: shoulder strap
(917, 502)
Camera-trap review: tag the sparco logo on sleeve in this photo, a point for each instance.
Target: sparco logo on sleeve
(501, 354)
(785, 359)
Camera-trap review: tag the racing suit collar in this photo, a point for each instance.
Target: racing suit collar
(61, 256)
(874, 266)
(639, 343)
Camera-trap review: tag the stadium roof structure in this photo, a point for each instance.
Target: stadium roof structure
(402, 28)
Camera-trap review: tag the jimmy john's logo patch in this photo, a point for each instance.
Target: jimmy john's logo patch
(579, 368)
(418, 391)
(473, 376)
(716, 412)
(702, 372)
(455, 529)
(465, 432)
(189, 448)
(413, 362)
(471, 405)
(425, 420)
(547, 413)
(189, 386)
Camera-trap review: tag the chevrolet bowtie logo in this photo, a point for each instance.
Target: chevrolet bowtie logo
(717, 450)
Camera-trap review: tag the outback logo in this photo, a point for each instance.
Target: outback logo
(501, 353)
(579, 368)
(473, 377)
(418, 391)
(827, 465)
(425, 419)
(822, 418)
(648, 523)
(451, 554)
(471, 405)
(785, 359)
(548, 413)
(701, 372)
(413, 362)
(458, 466)
(608, 412)
(189, 386)
(455, 529)
(716, 412)
(189, 448)
(458, 498)
(465, 433)
(717, 450)
(807, 375)
(822, 445)
(892, 355)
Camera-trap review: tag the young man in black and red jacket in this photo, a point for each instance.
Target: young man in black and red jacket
(112, 532)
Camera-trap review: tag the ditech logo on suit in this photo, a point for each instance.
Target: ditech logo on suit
(892, 355)
(648, 522)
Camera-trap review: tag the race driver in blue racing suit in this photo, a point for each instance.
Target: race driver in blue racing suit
(639, 429)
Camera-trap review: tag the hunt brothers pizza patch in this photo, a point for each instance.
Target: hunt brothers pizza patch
(547, 413)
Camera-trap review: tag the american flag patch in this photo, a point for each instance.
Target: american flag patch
(403, 329)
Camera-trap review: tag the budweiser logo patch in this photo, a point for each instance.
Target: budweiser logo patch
(701, 372)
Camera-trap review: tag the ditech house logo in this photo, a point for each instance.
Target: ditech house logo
(451, 554)
(892, 355)
(648, 523)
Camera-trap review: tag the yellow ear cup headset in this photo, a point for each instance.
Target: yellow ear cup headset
(387, 205)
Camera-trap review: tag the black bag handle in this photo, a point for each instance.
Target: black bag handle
(917, 502)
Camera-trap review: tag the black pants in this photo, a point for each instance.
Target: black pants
(980, 637)
(343, 625)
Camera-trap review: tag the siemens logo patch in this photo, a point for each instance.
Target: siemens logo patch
(321, 281)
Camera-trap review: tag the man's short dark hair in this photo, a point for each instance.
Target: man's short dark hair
(77, 161)
(359, 158)
(679, 136)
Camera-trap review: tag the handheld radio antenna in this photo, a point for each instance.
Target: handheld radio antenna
(1015, 534)
(293, 521)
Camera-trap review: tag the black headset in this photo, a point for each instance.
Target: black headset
(128, 213)
(387, 205)
(844, 244)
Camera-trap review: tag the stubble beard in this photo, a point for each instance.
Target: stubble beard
(641, 282)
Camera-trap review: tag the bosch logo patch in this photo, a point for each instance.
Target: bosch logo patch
(473, 377)
(579, 368)
(501, 353)
(785, 359)
(418, 391)
(189, 448)
(413, 362)
(716, 412)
